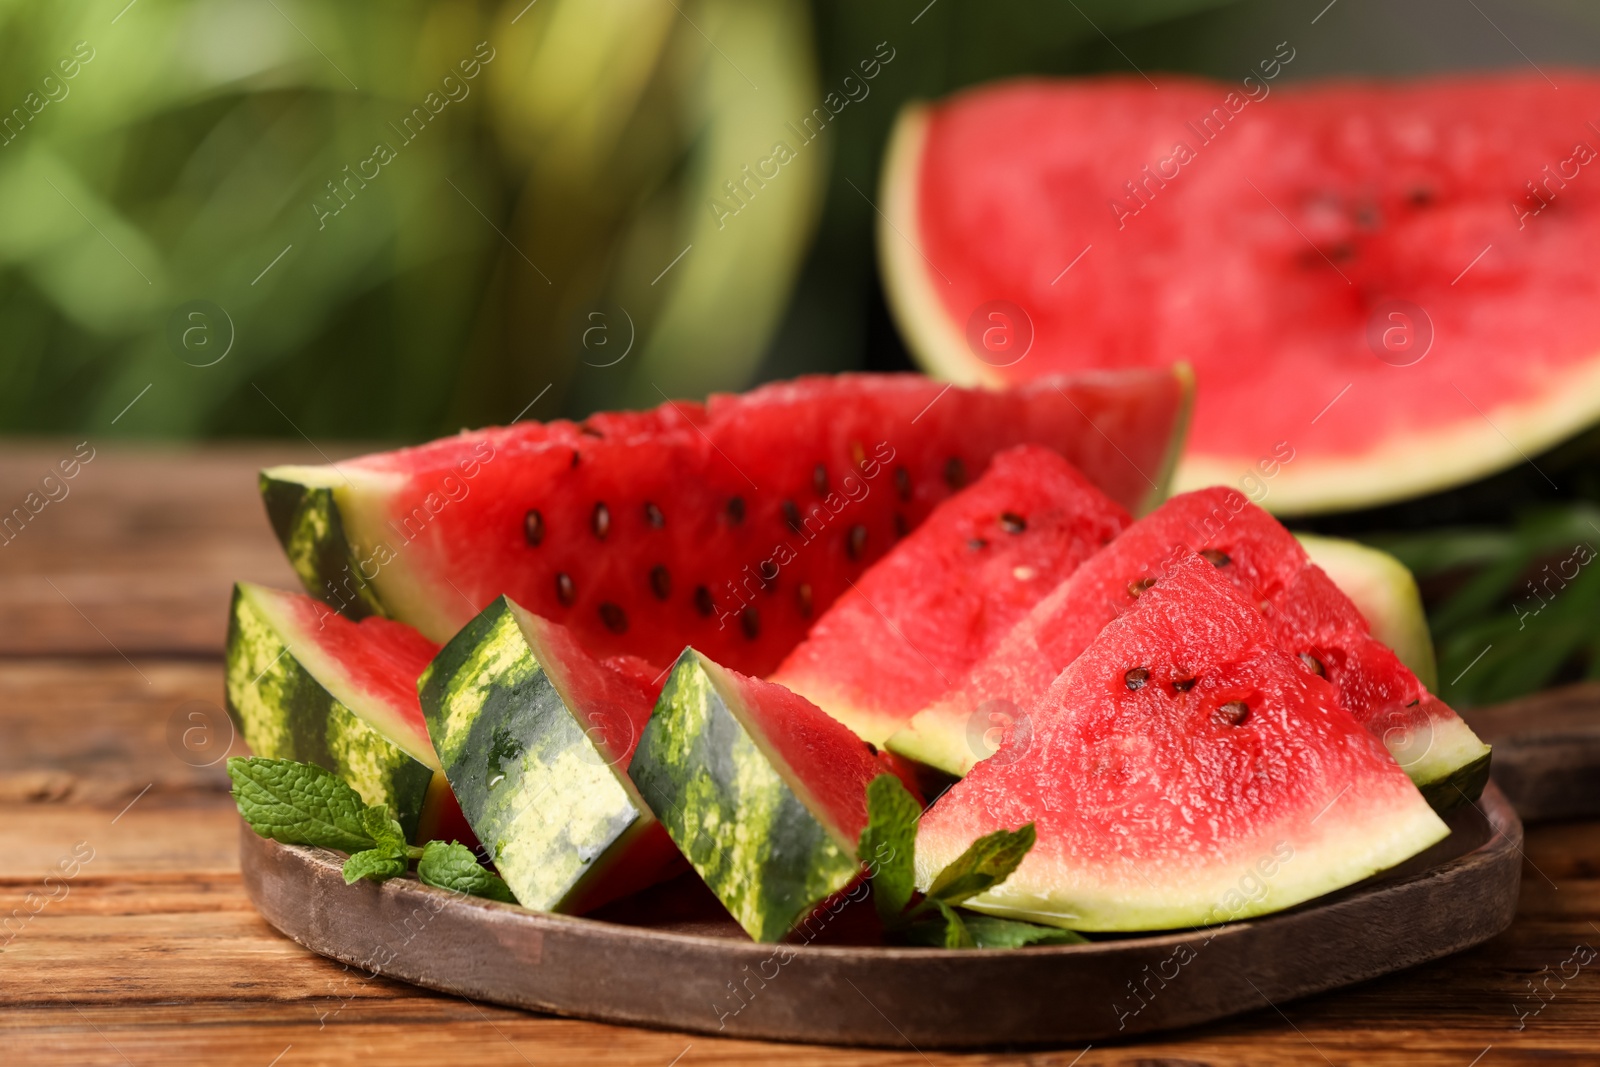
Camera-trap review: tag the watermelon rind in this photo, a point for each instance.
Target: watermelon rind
(1385, 592)
(540, 790)
(737, 811)
(305, 514)
(291, 700)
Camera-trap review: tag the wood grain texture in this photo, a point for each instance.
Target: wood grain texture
(155, 955)
(1547, 751)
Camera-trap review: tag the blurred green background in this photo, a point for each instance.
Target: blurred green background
(386, 221)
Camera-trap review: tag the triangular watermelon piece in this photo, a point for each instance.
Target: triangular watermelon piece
(535, 736)
(1184, 770)
(762, 791)
(1303, 608)
(729, 525)
(946, 595)
(306, 684)
(1385, 288)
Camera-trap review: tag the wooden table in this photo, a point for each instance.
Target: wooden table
(112, 616)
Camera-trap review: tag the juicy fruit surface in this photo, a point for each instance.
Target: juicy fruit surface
(1307, 613)
(763, 793)
(946, 595)
(729, 525)
(306, 684)
(1267, 257)
(1184, 770)
(1386, 594)
(535, 736)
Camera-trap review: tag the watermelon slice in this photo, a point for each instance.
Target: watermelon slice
(1184, 770)
(1386, 594)
(763, 792)
(535, 737)
(306, 684)
(1304, 251)
(729, 525)
(1304, 609)
(946, 595)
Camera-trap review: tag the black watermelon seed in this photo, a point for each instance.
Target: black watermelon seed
(574, 462)
(1136, 589)
(615, 618)
(750, 622)
(802, 597)
(791, 514)
(1342, 250)
(1314, 664)
(1216, 558)
(590, 431)
(653, 516)
(703, 602)
(566, 592)
(736, 509)
(1012, 523)
(955, 472)
(533, 527)
(819, 479)
(1183, 685)
(872, 748)
(660, 581)
(1420, 196)
(902, 483)
(977, 543)
(901, 526)
(1136, 678)
(856, 543)
(600, 520)
(1414, 703)
(1232, 713)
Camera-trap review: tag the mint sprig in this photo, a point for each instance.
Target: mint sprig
(887, 851)
(303, 804)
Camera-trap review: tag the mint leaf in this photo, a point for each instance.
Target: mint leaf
(986, 863)
(947, 930)
(374, 864)
(385, 831)
(989, 931)
(887, 845)
(453, 866)
(298, 804)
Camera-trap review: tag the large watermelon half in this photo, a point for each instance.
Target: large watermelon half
(1384, 289)
(1184, 770)
(946, 595)
(306, 684)
(1300, 604)
(727, 525)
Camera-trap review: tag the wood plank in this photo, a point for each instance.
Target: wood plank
(139, 555)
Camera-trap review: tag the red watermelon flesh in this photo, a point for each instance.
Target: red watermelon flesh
(946, 595)
(1306, 612)
(1272, 259)
(730, 525)
(1184, 770)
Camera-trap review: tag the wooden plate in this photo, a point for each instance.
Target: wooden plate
(683, 968)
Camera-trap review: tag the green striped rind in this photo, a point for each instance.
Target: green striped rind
(305, 515)
(283, 712)
(536, 790)
(729, 807)
(1460, 785)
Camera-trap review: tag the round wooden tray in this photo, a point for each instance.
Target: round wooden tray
(671, 963)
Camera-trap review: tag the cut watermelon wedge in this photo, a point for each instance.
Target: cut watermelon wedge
(946, 595)
(1185, 770)
(306, 684)
(1310, 616)
(535, 736)
(764, 793)
(728, 525)
(1390, 283)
